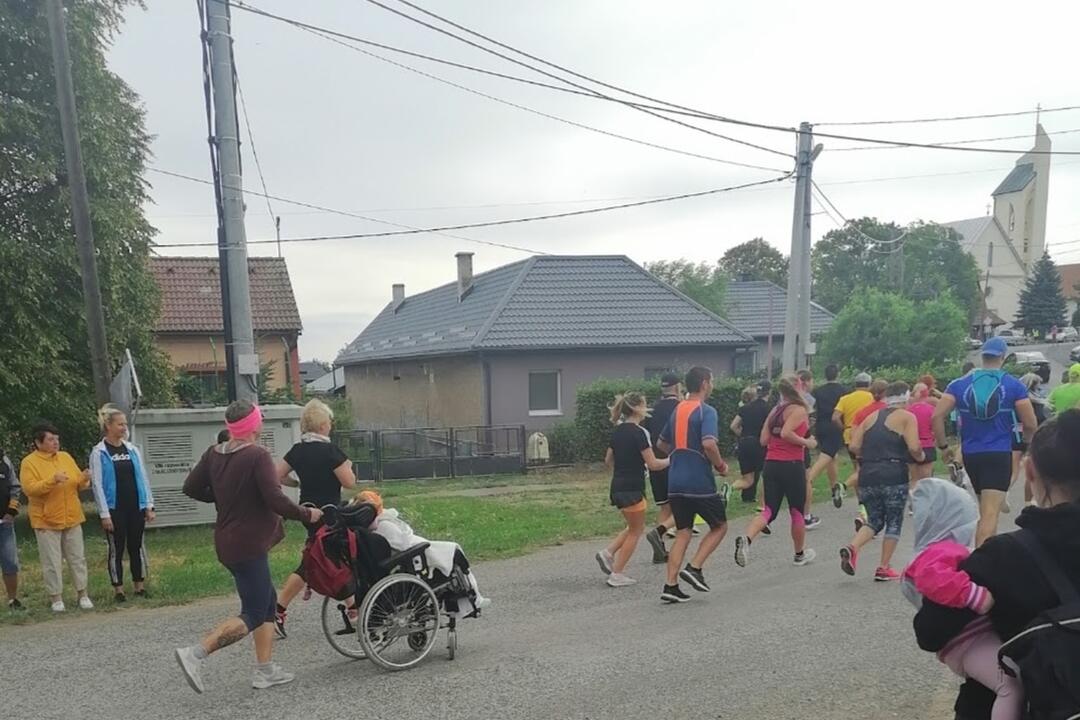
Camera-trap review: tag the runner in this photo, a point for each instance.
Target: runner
(1033, 383)
(804, 384)
(691, 440)
(1067, 396)
(989, 402)
(747, 427)
(658, 479)
(629, 453)
(239, 478)
(885, 442)
(922, 407)
(786, 435)
(844, 418)
(829, 437)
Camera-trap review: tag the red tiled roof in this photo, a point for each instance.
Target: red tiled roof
(191, 295)
(1070, 277)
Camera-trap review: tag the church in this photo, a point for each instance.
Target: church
(1007, 241)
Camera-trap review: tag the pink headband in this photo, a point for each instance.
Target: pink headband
(246, 425)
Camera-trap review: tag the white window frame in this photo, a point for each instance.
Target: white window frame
(558, 395)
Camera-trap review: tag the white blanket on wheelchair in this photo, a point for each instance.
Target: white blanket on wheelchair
(400, 535)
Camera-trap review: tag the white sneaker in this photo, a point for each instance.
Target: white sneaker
(58, 606)
(482, 602)
(620, 580)
(604, 559)
(742, 551)
(807, 557)
(275, 676)
(85, 604)
(192, 667)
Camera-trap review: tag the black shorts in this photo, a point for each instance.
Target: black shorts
(931, 456)
(989, 470)
(751, 456)
(623, 499)
(258, 598)
(658, 481)
(830, 439)
(711, 508)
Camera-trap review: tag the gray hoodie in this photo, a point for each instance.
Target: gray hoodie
(943, 511)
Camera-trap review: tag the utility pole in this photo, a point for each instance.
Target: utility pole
(801, 359)
(80, 202)
(797, 316)
(236, 305)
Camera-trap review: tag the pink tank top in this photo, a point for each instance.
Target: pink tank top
(780, 449)
(923, 411)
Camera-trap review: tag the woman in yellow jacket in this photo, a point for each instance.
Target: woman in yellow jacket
(52, 480)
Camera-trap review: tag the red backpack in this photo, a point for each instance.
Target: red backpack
(324, 569)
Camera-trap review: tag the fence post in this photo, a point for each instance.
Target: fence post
(453, 452)
(376, 456)
(522, 442)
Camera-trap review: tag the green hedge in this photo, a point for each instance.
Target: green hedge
(562, 443)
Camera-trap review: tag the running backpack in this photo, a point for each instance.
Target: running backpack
(985, 396)
(326, 569)
(1046, 655)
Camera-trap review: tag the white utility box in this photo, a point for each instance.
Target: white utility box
(173, 439)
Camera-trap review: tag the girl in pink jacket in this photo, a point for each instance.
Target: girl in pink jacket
(945, 519)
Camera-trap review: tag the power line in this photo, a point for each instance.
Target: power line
(1026, 136)
(510, 221)
(899, 239)
(1017, 113)
(254, 151)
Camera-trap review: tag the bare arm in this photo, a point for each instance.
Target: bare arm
(838, 419)
(856, 439)
(1026, 411)
(941, 411)
(345, 475)
(712, 451)
(736, 425)
(664, 446)
(911, 437)
(609, 458)
(270, 488)
(651, 461)
(284, 473)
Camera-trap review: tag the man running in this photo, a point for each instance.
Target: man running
(844, 417)
(747, 425)
(1067, 396)
(989, 402)
(830, 437)
(658, 479)
(690, 439)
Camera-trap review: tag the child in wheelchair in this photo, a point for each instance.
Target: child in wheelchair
(442, 556)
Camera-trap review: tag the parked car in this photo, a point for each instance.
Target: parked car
(974, 343)
(1013, 337)
(1067, 334)
(1074, 354)
(1033, 361)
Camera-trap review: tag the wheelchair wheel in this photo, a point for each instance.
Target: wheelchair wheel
(399, 621)
(340, 631)
(451, 644)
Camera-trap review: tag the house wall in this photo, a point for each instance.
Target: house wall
(437, 392)
(1007, 275)
(209, 351)
(509, 376)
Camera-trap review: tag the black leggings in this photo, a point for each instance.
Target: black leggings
(785, 479)
(129, 526)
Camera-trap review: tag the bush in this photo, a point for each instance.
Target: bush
(562, 443)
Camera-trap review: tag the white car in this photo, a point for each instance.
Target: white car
(1013, 337)
(1067, 334)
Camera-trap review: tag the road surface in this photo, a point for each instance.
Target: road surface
(770, 641)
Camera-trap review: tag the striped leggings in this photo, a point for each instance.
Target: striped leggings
(127, 535)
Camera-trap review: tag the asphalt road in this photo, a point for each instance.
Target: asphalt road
(770, 641)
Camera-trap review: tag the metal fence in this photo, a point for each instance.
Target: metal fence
(402, 453)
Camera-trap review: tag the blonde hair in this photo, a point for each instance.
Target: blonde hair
(627, 405)
(316, 414)
(106, 414)
(371, 497)
(749, 394)
(787, 386)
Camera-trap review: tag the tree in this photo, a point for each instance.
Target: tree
(1042, 304)
(701, 282)
(880, 329)
(755, 260)
(922, 261)
(44, 365)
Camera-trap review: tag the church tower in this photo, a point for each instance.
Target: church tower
(1020, 201)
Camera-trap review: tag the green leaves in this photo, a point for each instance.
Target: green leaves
(1042, 304)
(703, 283)
(755, 260)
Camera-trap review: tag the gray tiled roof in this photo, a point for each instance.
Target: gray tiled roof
(969, 230)
(545, 302)
(747, 307)
(1016, 180)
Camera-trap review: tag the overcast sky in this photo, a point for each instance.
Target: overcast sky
(340, 129)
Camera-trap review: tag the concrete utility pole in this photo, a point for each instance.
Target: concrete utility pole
(80, 202)
(237, 303)
(791, 357)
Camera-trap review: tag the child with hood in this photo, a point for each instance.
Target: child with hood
(945, 520)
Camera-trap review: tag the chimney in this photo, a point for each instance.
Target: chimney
(464, 274)
(398, 295)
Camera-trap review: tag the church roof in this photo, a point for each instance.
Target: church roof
(970, 230)
(1016, 180)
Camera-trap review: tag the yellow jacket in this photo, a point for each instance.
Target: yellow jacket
(53, 507)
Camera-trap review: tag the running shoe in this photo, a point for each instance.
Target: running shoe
(885, 574)
(848, 558)
(270, 677)
(694, 530)
(806, 557)
(659, 552)
(279, 623)
(58, 606)
(192, 667)
(812, 522)
(674, 594)
(604, 559)
(670, 534)
(85, 604)
(620, 580)
(956, 474)
(742, 551)
(766, 531)
(838, 496)
(695, 577)
(725, 492)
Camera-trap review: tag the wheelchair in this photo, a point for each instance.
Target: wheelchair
(398, 605)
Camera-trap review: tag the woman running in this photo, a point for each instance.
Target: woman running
(1033, 383)
(628, 454)
(922, 407)
(785, 438)
(747, 426)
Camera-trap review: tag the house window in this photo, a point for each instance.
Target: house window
(545, 388)
(655, 373)
(990, 256)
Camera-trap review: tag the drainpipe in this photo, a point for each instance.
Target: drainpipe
(485, 373)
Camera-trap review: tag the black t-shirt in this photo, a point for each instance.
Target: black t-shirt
(314, 463)
(753, 415)
(826, 397)
(628, 441)
(127, 493)
(660, 415)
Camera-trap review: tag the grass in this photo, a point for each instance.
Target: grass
(516, 519)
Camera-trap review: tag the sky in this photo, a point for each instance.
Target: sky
(340, 129)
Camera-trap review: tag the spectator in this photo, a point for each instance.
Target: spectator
(9, 550)
(52, 480)
(1067, 396)
(125, 503)
(239, 478)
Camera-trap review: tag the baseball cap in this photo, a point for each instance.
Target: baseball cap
(1074, 371)
(863, 379)
(764, 387)
(995, 347)
(669, 379)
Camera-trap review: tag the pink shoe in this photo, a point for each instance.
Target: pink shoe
(885, 574)
(848, 558)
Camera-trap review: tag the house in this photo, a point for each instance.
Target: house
(190, 330)
(1007, 242)
(330, 383)
(757, 307)
(311, 370)
(512, 345)
(1070, 282)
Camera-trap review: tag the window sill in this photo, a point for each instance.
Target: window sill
(545, 413)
